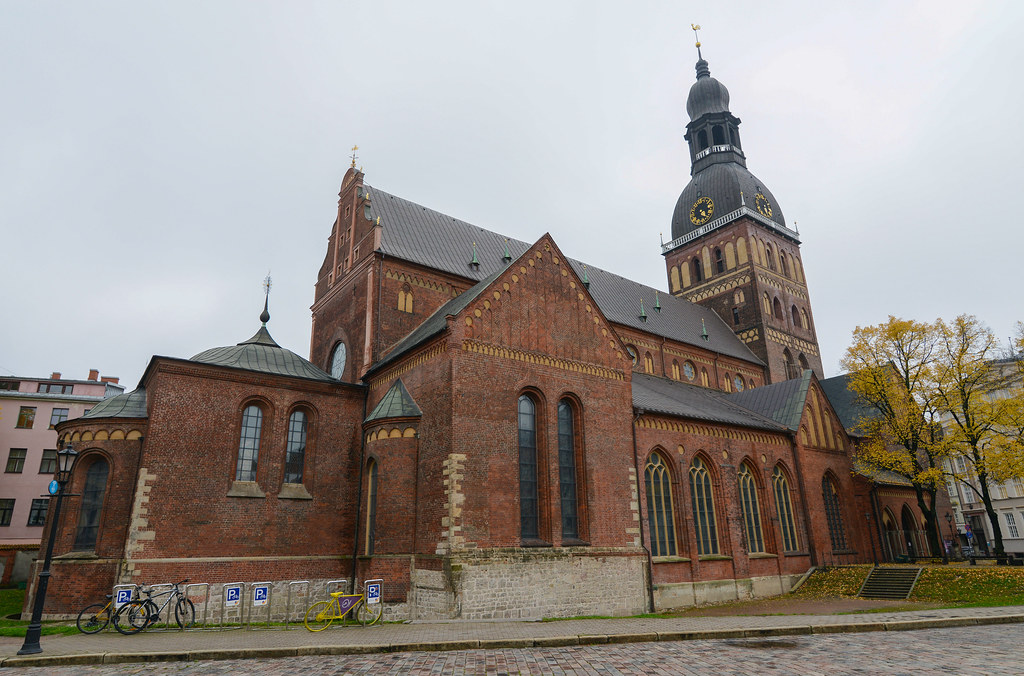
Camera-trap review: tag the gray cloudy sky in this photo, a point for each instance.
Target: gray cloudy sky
(157, 158)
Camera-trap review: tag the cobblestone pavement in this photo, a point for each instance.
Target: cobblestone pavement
(962, 650)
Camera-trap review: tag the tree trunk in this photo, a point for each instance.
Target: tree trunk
(930, 520)
(993, 517)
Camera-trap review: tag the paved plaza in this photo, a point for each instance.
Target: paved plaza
(993, 649)
(959, 640)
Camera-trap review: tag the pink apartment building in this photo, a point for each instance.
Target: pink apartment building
(29, 409)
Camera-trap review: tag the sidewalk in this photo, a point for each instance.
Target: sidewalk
(201, 644)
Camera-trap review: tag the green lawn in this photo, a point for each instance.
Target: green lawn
(11, 601)
(950, 586)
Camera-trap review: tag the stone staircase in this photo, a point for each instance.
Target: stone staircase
(889, 583)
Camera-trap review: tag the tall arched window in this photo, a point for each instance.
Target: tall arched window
(702, 139)
(751, 510)
(777, 308)
(804, 321)
(92, 505)
(833, 515)
(371, 505)
(718, 134)
(567, 470)
(660, 519)
(704, 378)
(784, 508)
(703, 499)
(796, 317)
(529, 520)
(769, 256)
(698, 272)
(782, 264)
(675, 370)
(249, 443)
(787, 358)
(719, 261)
(767, 302)
(648, 362)
(295, 453)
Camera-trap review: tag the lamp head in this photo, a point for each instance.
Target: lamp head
(66, 458)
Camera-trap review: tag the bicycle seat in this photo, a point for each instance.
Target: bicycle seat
(335, 595)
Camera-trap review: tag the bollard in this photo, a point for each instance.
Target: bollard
(288, 605)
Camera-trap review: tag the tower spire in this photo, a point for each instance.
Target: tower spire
(696, 27)
(265, 315)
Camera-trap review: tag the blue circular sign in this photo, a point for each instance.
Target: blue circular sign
(53, 487)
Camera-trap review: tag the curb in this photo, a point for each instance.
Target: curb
(492, 644)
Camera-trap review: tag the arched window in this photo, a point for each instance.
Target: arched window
(784, 508)
(675, 370)
(751, 510)
(92, 505)
(782, 264)
(405, 301)
(737, 296)
(719, 261)
(295, 453)
(660, 512)
(796, 317)
(529, 519)
(702, 139)
(718, 134)
(805, 322)
(703, 499)
(249, 443)
(768, 255)
(833, 515)
(338, 358)
(567, 444)
(371, 505)
(767, 301)
(732, 136)
(726, 383)
(787, 358)
(698, 273)
(704, 377)
(648, 362)
(803, 362)
(777, 308)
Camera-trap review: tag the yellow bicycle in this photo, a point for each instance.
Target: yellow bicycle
(365, 608)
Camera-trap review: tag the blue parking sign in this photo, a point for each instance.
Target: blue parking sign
(373, 593)
(232, 595)
(260, 594)
(123, 597)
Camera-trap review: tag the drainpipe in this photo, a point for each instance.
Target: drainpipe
(877, 508)
(359, 493)
(643, 540)
(803, 499)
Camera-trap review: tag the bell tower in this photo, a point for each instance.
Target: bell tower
(731, 249)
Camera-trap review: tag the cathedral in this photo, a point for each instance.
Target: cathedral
(496, 429)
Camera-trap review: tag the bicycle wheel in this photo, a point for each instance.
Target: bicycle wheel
(185, 613)
(319, 616)
(369, 613)
(131, 618)
(93, 618)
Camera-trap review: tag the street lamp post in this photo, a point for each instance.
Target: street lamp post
(65, 463)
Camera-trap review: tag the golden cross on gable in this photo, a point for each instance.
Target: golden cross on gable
(354, 149)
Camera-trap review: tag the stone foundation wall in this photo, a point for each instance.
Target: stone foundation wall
(686, 594)
(533, 583)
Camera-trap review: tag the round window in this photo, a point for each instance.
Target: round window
(738, 382)
(689, 371)
(338, 361)
(632, 354)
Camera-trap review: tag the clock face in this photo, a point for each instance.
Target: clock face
(764, 207)
(338, 361)
(702, 210)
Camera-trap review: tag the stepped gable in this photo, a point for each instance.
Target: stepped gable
(129, 405)
(420, 235)
(661, 395)
(782, 402)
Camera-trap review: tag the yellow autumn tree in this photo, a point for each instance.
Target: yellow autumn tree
(891, 370)
(981, 401)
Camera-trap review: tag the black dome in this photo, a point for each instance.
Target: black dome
(707, 95)
(723, 183)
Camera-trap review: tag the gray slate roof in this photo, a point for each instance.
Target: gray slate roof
(848, 406)
(129, 405)
(879, 475)
(397, 403)
(260, 353)
(782, 402)
(662, 395)
(420, 235)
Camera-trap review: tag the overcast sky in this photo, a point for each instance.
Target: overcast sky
(158, 158)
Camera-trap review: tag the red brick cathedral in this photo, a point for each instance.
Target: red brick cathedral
(499, 430)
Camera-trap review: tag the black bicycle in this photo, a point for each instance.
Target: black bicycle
(142, 613)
